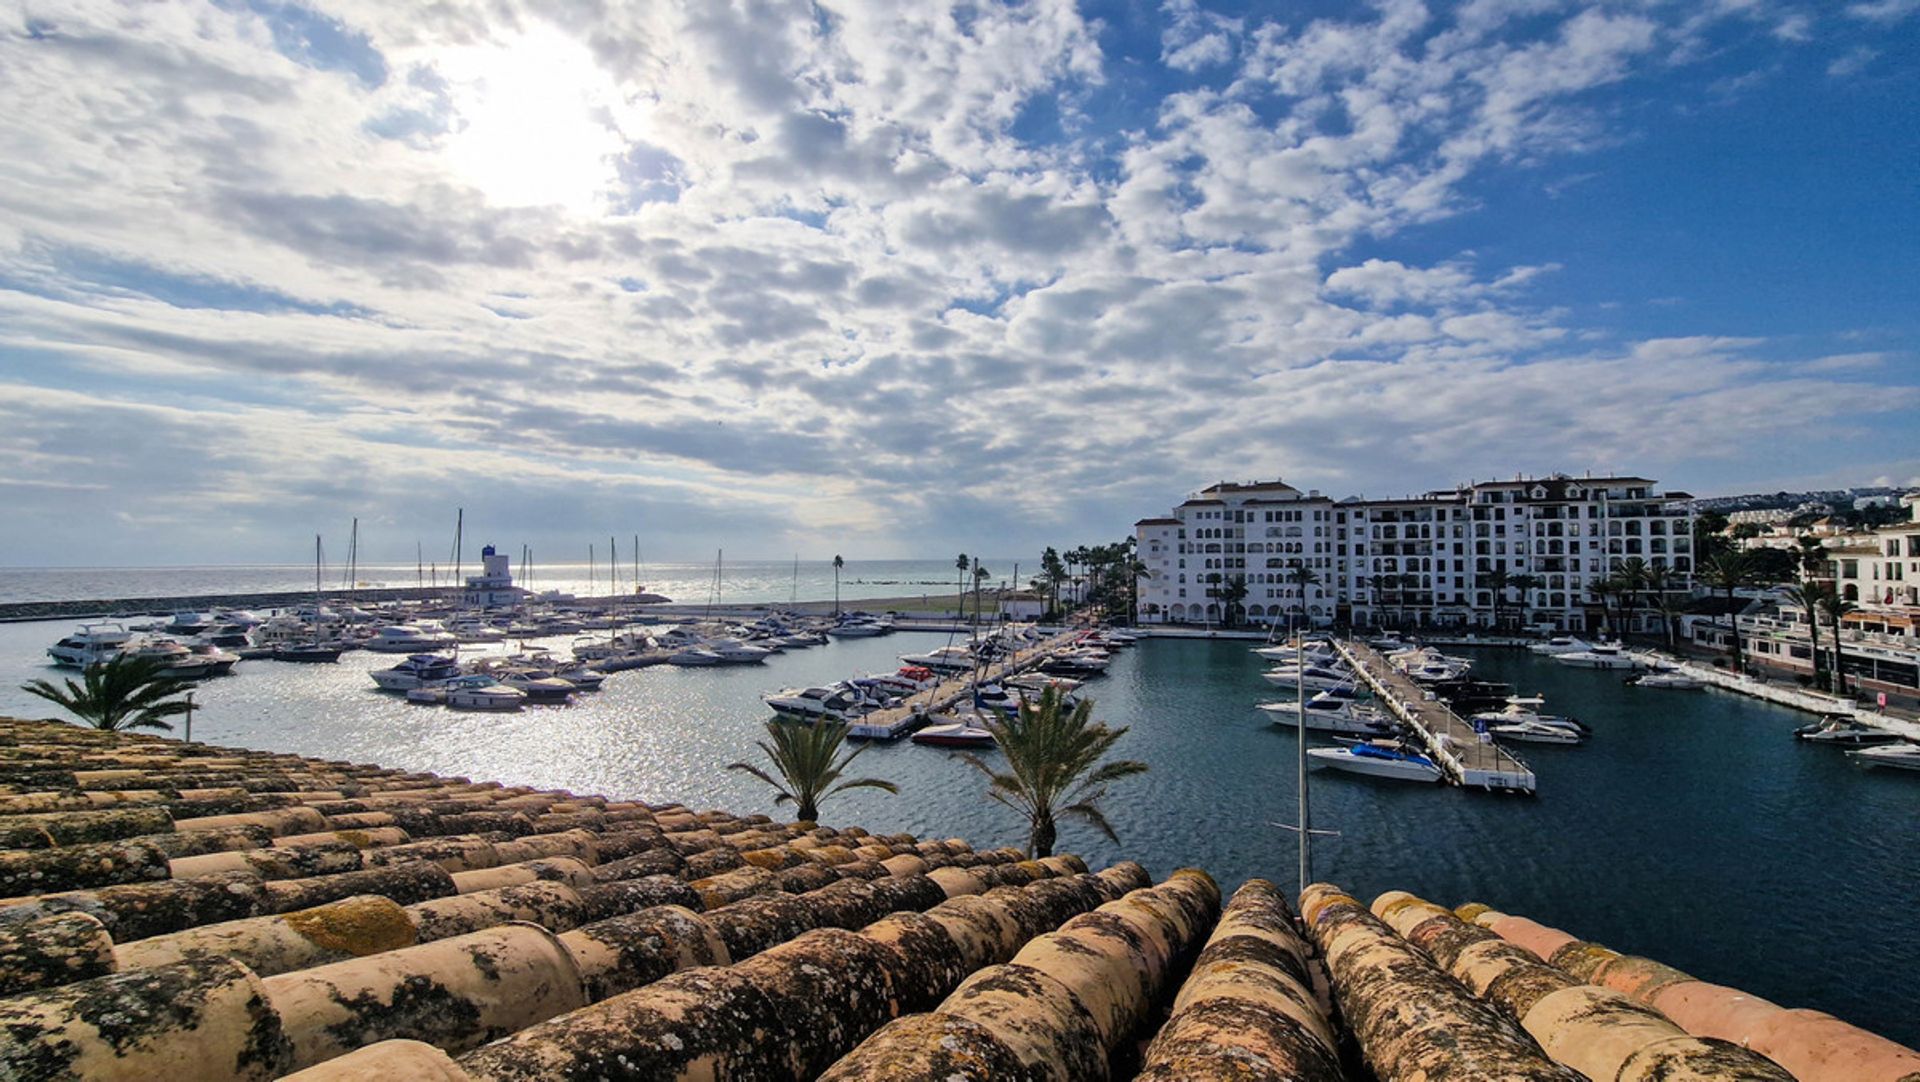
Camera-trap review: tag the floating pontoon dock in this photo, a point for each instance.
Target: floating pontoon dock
(1465, 756)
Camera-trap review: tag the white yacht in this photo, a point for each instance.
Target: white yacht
(1329, 714)
(1668, 678)
(1311, 677)
(693, 656)
(956, 731)
(834, 702)
(1380, 759)
(945, 658)
(419, 670)
(1600, 657)
(860, 629)
(472, 629)
(1082, 662)
(409, 639)
(1520, 721)
(176, 660)
(1561, 644)
(1898, 756)
(475, 691)
(93, 644)
(734, 651)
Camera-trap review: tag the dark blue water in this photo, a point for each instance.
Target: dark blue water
(1692, 829)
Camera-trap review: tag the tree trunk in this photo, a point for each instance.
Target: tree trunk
(1733, 624)
(1839, 662)
(808, 812)
(1040, 842)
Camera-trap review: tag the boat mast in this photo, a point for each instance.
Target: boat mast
(316, 574)
(636, 563)
(613, 568)
(459, 526)
(589, 569)
(419, 565)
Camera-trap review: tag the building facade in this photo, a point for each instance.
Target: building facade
(1492, 553)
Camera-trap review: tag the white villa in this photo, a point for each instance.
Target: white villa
(1428, 559)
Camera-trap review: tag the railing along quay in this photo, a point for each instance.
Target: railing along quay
(1462, 754)
(919, 708)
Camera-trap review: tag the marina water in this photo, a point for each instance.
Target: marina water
(1692, 828)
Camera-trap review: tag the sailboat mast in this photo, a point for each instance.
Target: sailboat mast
(589, 569)
(459, 527)
(419, 565)
(613, 568)
(636, 563)
(316, 571)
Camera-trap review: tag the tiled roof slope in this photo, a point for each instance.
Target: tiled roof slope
(193, 912)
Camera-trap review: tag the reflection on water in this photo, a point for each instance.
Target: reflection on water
(1691, 829)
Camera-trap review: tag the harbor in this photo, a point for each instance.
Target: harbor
(1606, 847)
(1465, 756)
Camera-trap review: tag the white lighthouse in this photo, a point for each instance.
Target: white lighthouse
(493, 588)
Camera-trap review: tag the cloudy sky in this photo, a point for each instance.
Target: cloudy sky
(892, 278)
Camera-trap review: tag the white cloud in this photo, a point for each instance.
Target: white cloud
(1883, 11)
(1853, 62)
(771, 247)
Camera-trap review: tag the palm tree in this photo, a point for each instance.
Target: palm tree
(838, 563)
(1812, 557)
(1837, 608)
(1809, 598)
(1051, 772)
(1728, 571)
(1670, 608)
(964, 564)
(125, 693)
(1301, 576)
(803, 756)
(1601, 591)
(1524, 585)
(1630, 578)
(1499, 582)
(980, 574)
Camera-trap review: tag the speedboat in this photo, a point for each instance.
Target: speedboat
(481, 692)
(1561, 644)
(1311, 677)
(408, 639)
(1667, 678)
(1039, 682)
(1328, 714)
(537, 685)
(1084, 662)
(1846, 731)
(420, 670)
(860, 629)
(1901, 756)
(1380, 759)
(1315, 654)
(694, 656)
(188, 623)
(219, 662)
(1600, 657)
(474, 630)
(227, 636)
(93, 644)
(964, 732)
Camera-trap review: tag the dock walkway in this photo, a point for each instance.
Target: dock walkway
(917, 709)
(1467, 758)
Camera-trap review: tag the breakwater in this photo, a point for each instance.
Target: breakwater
(20, 611)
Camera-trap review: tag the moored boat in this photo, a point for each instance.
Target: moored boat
(93, 644)
(1380, 759)
(1846, 731)
(1902, 756)
(419, 670)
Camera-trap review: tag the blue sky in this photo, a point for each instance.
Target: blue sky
(891, 279)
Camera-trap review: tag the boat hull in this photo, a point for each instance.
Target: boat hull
(1398, 769)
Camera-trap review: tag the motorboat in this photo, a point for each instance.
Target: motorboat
(833, 702)
(474, 630)
(732, 651)
(93, 644)
(309, 653)
(418, 670)
(581, 677)
(1328, 714)
(188, 623)
(964, 731)
(219, 662)
(474, 691)
(408, 639)
(691, 656)
(1561, 644)
(1902, 756)
(227, 636)
(1520, 721)
(944, 659)
(860, 628)
(1668, 678)
(1379, 759)
(1314, 653)
(176, 661)
(536, 685)
(1077, 663)
(1038, 682)
(1311, 677)
(1845, 730)
(1600, 657)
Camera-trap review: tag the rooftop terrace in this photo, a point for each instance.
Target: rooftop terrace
(189, 911)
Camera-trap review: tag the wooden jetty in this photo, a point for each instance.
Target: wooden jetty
(1468, 758)
(918, 709)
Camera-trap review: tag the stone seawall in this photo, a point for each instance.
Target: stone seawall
(19, 611)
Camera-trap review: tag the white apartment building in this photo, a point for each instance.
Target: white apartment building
(1430, 559)
(1882, 568)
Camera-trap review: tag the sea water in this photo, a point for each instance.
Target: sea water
(1692, 829)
